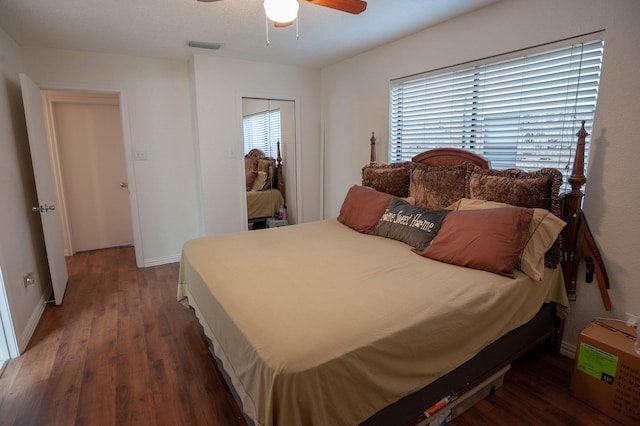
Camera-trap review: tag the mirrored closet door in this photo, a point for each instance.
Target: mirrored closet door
(269, 129)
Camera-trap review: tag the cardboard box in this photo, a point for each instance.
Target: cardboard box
(275, 223)
(607, 370)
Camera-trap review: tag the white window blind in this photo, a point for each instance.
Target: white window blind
(262, 131)
(521, 112)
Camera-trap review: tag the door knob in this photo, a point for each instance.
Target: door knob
(124, 185)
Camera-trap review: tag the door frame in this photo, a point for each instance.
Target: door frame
(95, 97)
(8, 344)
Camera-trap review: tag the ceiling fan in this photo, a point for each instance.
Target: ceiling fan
(285, 12)
(350, 6)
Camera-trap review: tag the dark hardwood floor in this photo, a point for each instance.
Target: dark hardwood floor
(121, 351)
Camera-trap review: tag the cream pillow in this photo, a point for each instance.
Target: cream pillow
(543, 231)
(260, 181)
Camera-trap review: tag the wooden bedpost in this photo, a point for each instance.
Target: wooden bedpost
(373, 161)
(573, 233)
(280, 174)
(579, 242)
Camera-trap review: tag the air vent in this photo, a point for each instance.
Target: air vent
(205, 45)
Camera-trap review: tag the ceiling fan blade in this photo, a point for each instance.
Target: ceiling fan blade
(349, 6)
(282, 24)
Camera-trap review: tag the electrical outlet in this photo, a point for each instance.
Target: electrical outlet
(140, 155)
(29, 279)
(632, 319)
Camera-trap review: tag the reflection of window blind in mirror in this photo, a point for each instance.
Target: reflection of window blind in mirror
(262, 131)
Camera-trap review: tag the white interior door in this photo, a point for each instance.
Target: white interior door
(41, 159)
(94, 175)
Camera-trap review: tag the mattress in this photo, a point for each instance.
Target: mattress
(263, 203)
(334, 325)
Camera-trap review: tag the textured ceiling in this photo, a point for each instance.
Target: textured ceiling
(162, 29)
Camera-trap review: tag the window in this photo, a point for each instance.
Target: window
(519, 112)
(262, 131)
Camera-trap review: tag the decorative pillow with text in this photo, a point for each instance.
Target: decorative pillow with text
(411, 224)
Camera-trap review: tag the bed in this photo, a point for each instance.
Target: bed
(354, 320)
(265, 185)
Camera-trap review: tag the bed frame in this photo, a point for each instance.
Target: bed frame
(545, 327)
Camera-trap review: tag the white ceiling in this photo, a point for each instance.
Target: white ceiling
(161, 28)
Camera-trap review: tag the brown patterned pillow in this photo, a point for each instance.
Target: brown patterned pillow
(250, 178)
(438, 187)
(539, 189)
(251, 171)
(268, 166)
(260, 182)
(390, 178)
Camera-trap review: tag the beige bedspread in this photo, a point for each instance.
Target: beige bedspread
(335, 325)
(263, 203)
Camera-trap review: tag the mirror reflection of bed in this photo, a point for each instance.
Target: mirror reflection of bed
(270, 162)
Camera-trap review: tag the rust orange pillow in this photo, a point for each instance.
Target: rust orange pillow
(363, 207)
(537, 189)
(490, 239)
(543, 232)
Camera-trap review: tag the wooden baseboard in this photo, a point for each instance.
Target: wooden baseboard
(34, 319)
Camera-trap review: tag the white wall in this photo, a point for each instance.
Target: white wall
(21, 241)
(355, 102)
(159, 98)
(159, 122)
(219, 84)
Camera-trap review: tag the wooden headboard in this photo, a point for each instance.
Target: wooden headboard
(440, 157)
(577, 238)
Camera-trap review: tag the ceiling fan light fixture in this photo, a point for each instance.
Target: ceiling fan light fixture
(281, 11)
